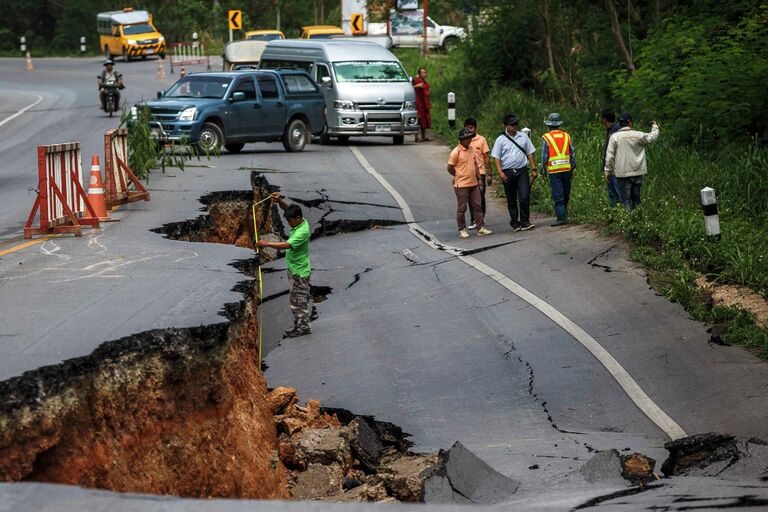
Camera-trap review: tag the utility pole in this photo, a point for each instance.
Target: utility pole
(425, 45)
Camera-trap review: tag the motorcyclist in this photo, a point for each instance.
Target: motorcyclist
(109, 73)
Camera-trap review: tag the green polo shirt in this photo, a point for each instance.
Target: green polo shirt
(297, 257)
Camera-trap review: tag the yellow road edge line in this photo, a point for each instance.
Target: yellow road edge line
(28, 244)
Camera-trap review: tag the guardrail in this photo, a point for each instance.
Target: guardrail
(187, 53)
(61, 199)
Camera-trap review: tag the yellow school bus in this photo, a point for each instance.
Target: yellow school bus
(130, 34)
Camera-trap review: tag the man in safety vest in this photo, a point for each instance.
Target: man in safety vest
(559, 162)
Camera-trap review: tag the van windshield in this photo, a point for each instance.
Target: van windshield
(141, 28)
(369, 71)
(199, 87)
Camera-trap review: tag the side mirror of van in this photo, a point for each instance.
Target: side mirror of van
(237, 96)
(326, 81)
(160, 94)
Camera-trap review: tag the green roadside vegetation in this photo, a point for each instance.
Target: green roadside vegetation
(710, 136)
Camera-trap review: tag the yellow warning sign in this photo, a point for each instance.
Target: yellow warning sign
(236, 20)
(356, 22)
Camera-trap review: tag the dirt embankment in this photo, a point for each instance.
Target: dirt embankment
(175, 411)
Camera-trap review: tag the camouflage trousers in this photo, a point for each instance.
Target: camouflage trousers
(300, 301)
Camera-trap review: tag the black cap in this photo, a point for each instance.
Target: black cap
(510, 120)
(109, 62)
(465, 133)
(625, 118)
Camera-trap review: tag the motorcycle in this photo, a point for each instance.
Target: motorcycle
(111, 96)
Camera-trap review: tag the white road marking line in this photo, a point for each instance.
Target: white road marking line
(622, 377)
(17, 114)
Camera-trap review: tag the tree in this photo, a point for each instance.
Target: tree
(616, 28)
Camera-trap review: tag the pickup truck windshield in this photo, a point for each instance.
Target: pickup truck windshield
(199, 87)
(369, 71)
(141, 28)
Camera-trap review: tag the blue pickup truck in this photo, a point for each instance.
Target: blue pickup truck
(229, 109)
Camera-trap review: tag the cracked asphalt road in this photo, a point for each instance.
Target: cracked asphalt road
(409, 334)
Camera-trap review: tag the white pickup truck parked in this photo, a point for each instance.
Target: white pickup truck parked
(406, 29)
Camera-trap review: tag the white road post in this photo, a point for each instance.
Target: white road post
(711, 220)
(23, 41)
(451, 109)
(82, 44)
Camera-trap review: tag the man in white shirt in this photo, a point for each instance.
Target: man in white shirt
(513, 154)
(625, 159)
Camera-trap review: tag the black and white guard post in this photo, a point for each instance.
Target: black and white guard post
(23, 41)
(82, 44)
(711, 220)
(451, 109)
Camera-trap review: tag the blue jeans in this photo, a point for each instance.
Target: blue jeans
(614, 194)
(630, 190)
(518, 188)
(560, 185)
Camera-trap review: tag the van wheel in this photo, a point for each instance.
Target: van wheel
(234, 148)
(126, 57)
(398, 139)
(211, 139)
(295, 136)
(107, 53)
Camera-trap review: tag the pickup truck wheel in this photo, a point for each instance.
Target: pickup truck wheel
(234, 148)
(343, 138)
(450, 44)
(325, 139)
(211, 138)
(295, 136)
(398, 139)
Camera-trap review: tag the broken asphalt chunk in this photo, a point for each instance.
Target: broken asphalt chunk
(462, 477)
(715, 454)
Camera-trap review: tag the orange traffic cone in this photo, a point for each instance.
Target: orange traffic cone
(29, 66)
(160, 70)
(96, 190)
(182, 72)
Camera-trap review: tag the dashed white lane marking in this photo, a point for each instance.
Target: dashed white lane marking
(17, 114)
(622, 377)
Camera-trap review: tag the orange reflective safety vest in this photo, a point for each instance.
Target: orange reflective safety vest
(558, 145)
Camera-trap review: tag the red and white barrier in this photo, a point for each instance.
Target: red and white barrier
(61, 201)
(186, 54)
(121, 185)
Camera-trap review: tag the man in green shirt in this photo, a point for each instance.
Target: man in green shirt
(297, 261)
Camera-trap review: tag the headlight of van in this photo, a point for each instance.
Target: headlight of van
(188, 114)
(131, 41)
(343, 105)
(161, 39)
(409, 105)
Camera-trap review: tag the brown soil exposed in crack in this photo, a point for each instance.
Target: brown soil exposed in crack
(173, 411)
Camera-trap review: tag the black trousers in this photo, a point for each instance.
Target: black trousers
(517, 188)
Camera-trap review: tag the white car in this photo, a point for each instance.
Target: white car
(406, 31)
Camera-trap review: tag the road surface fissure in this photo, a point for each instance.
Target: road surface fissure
(617, 371)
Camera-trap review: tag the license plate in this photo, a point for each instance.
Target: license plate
(381, 128)
(149, 51)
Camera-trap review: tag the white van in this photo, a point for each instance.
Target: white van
(367, 91)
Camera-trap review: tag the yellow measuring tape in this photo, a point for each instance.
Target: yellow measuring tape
(258, 252)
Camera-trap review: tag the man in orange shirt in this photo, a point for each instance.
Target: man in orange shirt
(482, 153)
(462, 165)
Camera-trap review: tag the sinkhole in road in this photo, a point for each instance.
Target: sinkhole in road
(187, 411)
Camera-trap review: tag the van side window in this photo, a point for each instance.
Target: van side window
(322, 71)
(246, 86)
(268, 88)
(116, 31)
(286, 64)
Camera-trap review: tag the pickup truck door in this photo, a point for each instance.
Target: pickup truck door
(244, 114)
(272, 114)
(433, 33)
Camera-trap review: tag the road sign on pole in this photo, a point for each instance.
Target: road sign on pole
(356, 22)
(235, 20)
